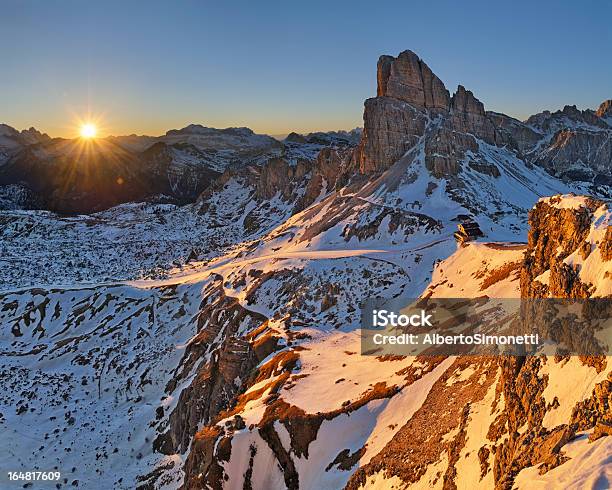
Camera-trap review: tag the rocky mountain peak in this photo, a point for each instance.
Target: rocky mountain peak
(12, 140)
(409, 79)
(572, 111)
(33, 135)
(605, 109)
(562, 225)
(26, 136)
(464, 101)
(413, 105)
(6, 130)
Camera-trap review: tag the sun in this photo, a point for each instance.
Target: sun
(88, 131)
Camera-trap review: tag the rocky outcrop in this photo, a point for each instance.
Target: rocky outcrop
(448, 143)
(575, 145)
(332, 169)
(301, 182)
(430, 433)
(468, 116)
(412, 105)
(444, 150)
(570, 116)
(277, 175)
(395, 120)
(391, 128)
(554, 233)
(528, 443)
(409, 79)
(228, 360)
(605, 109)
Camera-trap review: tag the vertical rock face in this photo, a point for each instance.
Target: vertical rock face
(408, 78)
(383, 72)
(413, 107)
(445, 148)
(277, 175)
(468, 116)
(331, 170)
(396, 119)
(412, 101)
(391, 128)
(572, 144)
(456, 134)
(578, 155)
(464, 101)
(227, 359)
(556, 231)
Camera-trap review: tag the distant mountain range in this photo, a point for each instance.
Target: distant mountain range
(83, 176)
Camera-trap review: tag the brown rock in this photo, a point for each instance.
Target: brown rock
(602, 429)
(213, 386)
(595, 410)
(409, 97)
(408, 78)
(277, 175)
(554, 234)
(468, 116)
(332, 168)
(445, 148)
(605, 109)
(391, 128)
(569, 146)
(605, 247)
(513, 132)
(202, 467)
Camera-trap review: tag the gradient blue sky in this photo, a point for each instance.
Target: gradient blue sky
(280, 66)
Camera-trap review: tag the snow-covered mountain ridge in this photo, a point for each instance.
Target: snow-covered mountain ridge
(256, 332)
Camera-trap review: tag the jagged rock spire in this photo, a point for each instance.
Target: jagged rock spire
(408, 78)
(408, 95)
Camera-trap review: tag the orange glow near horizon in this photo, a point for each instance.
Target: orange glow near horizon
(88, 126)
(88, 131)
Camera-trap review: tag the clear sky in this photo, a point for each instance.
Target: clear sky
(148, 66)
